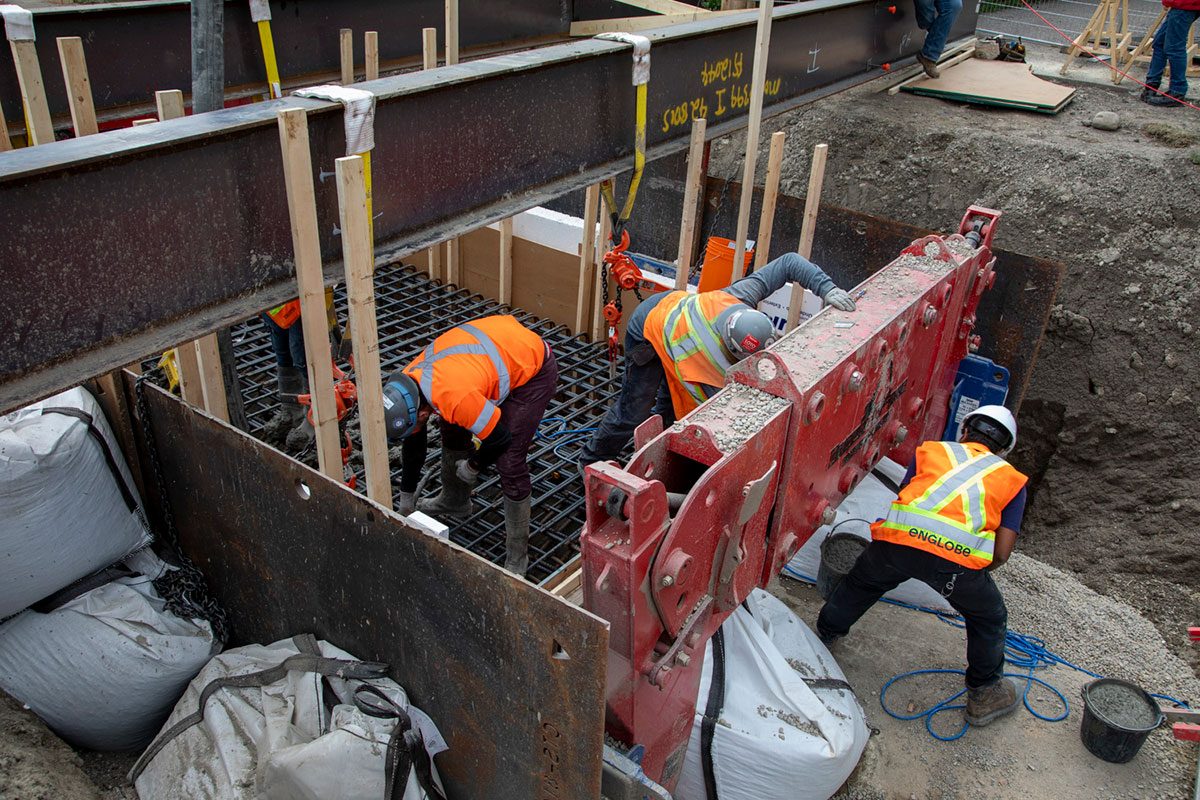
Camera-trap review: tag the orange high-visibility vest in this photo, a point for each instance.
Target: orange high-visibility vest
(680, 328)
(468, 371)
(952, 506)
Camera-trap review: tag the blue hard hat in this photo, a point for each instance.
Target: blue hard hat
(401, 399)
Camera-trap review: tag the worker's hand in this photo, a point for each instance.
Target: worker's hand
(406, 503)
(839, 299)
(466, 473)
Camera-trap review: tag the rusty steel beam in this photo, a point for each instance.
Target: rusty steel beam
(127, 242)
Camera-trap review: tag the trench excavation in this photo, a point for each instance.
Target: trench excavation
(412, 310)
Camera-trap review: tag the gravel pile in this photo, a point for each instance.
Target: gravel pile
(960, 247)
(735, 414)
(927, 264)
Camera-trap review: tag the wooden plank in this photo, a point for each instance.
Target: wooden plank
(691, 203)
(812, 204)
(212, 382)
(762, 48)
(766, 220)
(506, 260)
(1000, 81)
(633, 24)
(599, 334)
(169, 103)
(5, 142)
(79, 88)
(966, 51)
(429, 58)
(346, 47)
(451, 32)
(663, 6)
(137, 123)
(33, 92)
(302, 210)
(358, 254)
(587, 257)
(371, 49)
(453, 261)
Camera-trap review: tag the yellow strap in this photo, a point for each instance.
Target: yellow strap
(268, 47)
(639, 164)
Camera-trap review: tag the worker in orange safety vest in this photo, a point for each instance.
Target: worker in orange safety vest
(956, 518)
(490, 379)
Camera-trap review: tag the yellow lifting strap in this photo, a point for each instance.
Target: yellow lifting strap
(641, 79)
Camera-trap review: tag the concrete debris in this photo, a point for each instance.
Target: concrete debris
(735, 414)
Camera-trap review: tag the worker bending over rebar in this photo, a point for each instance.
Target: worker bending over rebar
(957, 517)
(491, 378)
(689, 341)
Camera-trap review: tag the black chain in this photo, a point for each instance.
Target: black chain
(184, 590)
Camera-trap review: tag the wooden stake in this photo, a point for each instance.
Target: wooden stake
(762, 47)
(451, 32)
(33, 92)
(169, 103)
(302, 209)
(766, 222)
(587, 257)
(812, 202)
(429, 51)
(212, 381)
(358, 253)
(5, 142)
(371, 46)
(346, 36)
(599, 334)
(506, 255)
(79, 88)
(453, 252)
(691, 203)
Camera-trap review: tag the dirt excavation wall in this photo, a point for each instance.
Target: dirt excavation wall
(1109, 425)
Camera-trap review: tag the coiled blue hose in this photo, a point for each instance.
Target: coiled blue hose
(559, 430)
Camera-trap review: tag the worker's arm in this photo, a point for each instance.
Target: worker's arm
(1010, 525)
(760, 285)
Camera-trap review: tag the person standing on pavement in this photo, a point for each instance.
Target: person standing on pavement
(936, 18)
(956, 518)
(1171, 49)
(678, 347)
(491, 379)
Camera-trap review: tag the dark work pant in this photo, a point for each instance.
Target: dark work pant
(287, 343)
(883, 566)
(522, 412)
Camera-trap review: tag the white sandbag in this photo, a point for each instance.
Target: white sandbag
(278, 741)
(62, 513)
(868, 502)
(104, 669)
(777, 735)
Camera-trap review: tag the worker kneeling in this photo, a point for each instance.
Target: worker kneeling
(491, 378)
(689, 341)
(957, 517)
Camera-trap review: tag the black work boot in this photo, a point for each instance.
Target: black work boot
(454, 500)
(290, 382)
(1147, 91)
(516, 530)
(991, 702)
(1168, 100)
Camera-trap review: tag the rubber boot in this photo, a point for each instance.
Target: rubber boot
(516, 536)
(454, 500)
(991, 702)
(290, 413)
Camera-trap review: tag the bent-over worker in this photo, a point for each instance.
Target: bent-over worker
(956, 518)
(491, 378)
(689, 341)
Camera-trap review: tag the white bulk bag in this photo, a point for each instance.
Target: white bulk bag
(62, 512)
(104, 669)
(789, 728)
(278, 741)
(868, 502)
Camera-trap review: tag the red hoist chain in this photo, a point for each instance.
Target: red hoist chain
(345, 397)
(626, 275)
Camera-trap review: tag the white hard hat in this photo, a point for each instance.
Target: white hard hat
(996, 422)
(744, 330)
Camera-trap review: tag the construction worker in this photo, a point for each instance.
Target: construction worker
(956, 518)
(936, 18)
(688, 342)
(492, 379)
(1170, 47)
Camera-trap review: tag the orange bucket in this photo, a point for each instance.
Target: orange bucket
(718, 264)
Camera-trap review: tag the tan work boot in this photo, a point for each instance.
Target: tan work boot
(991, 702)
(929, 65)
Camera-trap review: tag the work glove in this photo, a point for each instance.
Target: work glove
(839, 299)
(406, 503)
(466, 473)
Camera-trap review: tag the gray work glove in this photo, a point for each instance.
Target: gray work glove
(839, 299)
(406, 503)
(466, 473)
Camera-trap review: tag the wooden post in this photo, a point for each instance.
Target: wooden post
(506, 255)
(599, 334)
(762, 47)
(33, 92)
(346, 45)
(812, 203)
(358, 253)
(429, 51)
(587, 257)
(766, 222)
(371, 48)
(451, 32)
(302, 209)
(5, 142)
(453, 259)
(79, 88)
(208, 55)
(691, 203)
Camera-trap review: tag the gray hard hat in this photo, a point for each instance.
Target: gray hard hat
(401, 401)
(744, 330)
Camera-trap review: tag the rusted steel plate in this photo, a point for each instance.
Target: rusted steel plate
(513, 676)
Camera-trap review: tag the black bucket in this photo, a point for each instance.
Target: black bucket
(1117, 718)
(839, 551)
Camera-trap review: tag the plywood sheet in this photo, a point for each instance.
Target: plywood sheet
(1000, 83)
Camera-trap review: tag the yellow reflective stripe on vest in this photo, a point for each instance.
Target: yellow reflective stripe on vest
(701, 338)
(941, 491)
(944, 533)
(484, 347)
